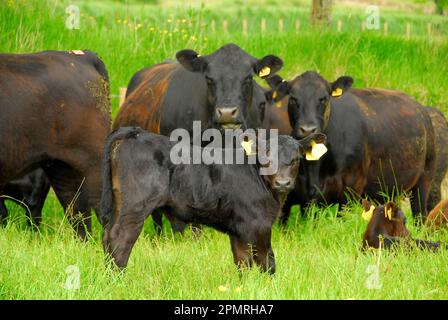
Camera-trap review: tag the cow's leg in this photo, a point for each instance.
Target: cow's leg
(419, 199)
(36, 203)
(263, 254)
(177, 225)
(286, 210)
(435, 195)
(256, 247)
(119, 239)
(70, 190)
(157, 218)
(3, 213)
(241, 250)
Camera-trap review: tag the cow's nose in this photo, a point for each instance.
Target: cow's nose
(282, 183)
(307, 130)
(227, 115)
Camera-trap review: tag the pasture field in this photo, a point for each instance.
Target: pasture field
(318, 256)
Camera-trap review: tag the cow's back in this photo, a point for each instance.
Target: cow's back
(377, 139)
(144, 102)
(166, 96)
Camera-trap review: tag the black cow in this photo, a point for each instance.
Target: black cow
(378, 140)
(217, 89)
(55, 115)
(139, 178)
(30, 191)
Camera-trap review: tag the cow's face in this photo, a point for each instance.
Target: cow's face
(309, 105)
(229, 75)
(290, 152)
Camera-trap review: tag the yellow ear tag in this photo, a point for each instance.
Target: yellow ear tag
(264, 72)
(317, 151)
(247, 146)
(388, 213)
(77, 52)
(367, 215)
(278, 104)
(336, 92)
(274, 94)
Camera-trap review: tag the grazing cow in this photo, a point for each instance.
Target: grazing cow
(387, 225)
(378, 140)
(30, 191)
(56, 115)
(438, 216)
(217, 89)
(139, 178)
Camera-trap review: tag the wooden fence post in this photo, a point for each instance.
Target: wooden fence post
(224, 26)
(245, 26)
(339, 25)
(263, 25)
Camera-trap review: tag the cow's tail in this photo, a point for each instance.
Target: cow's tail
(107, 196)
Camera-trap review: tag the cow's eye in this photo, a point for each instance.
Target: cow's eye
(210, 81)
(323, 100)
(293, 102)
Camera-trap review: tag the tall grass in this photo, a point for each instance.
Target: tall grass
(317, 256)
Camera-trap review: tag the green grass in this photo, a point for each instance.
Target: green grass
(316, 257)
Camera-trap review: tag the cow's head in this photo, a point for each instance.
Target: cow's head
(290, 151)
(385, 220)
(229, 74)
(310, 96)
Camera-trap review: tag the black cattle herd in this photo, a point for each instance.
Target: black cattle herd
(56, 131)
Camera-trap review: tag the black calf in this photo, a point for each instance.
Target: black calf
(139, 178)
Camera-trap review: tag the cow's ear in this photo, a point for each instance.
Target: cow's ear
(366, 204)
(191, 61)
(267, 66)
(309, 144)
(389, 210)
(369, 208)
(340, 86)
(280, 88)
